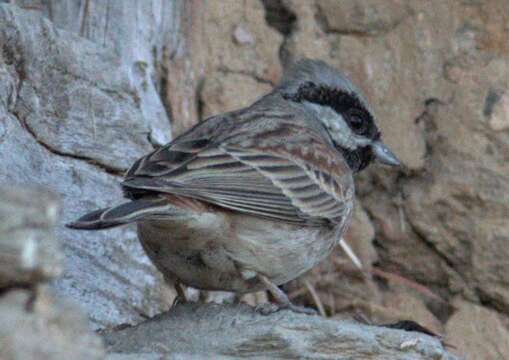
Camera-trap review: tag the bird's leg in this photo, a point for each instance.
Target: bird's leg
(282, 300)
(181, 294)
(237, 299)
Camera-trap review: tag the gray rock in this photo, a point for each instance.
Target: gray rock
(106, 272)
(29, 252)
(137, 32)
(237, 331)
(44, 327)
(71, 93)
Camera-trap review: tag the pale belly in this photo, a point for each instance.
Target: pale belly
(225, 251)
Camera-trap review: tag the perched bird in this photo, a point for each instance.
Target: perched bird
(251, 199)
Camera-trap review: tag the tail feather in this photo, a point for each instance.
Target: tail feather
(123, 214)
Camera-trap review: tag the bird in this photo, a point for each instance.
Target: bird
(250, 199)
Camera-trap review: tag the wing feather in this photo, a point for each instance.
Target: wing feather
(294, 176)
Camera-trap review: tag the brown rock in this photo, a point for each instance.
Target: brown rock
(396, 308)
(400, 250)
(307, 40)
(222, 52)
(185, 65)
(499, 115)
(410, 307)
(218, 37)
(223, 91)
(477, 333)
(462, 207)
(367, 17)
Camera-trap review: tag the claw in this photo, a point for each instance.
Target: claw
(266, 309)
(271, 308)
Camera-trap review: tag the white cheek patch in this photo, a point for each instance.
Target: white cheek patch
(337, 127)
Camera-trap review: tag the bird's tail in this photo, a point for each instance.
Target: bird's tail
(124, 214)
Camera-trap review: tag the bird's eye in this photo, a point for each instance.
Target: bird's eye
(357, 123)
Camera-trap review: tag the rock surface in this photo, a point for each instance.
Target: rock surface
(239, 332)
(214, 58)
(46, 327)
(478, 333)
(36, 323)
(29, 251)
(73, 121)
(137, 33)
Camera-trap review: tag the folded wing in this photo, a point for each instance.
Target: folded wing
(291, 174)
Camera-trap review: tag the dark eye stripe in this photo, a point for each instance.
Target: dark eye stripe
(341, 101)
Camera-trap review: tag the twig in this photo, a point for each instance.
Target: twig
(348, 250)
(316, 298)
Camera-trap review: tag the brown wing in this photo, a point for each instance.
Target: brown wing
(266, 167)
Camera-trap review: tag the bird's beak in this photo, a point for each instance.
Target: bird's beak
(384, 154)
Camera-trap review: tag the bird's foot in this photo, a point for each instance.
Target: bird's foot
(282, 300)
(271, 308)
(267, 308)
(302, 310)
(178, 300)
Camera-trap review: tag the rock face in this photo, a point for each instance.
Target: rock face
(239, 332)
(136, 34)
(476, 322)
(221, 44)
(36, 323)
(71, 120)
(29, 251)
(45, 328)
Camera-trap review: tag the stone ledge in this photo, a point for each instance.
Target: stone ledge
(201, 330)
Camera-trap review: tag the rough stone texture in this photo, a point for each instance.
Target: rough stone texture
(258, 57)
(137, 32)
(46, 327)
(69, 93)
(405, 305)
(477, 333)
(468, 225)
(36, 323)
(240, 332)
(221, 91)
(29, 251)
(221, 44)
(184, 65)
(372, 17)
(59, 142)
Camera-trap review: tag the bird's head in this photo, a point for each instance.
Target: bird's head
(342, 110)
